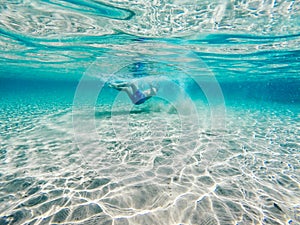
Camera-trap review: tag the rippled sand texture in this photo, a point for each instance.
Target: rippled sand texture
(247, 173)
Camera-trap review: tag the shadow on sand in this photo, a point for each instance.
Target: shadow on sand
(109, 114)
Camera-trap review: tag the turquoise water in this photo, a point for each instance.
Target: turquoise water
(218, 144)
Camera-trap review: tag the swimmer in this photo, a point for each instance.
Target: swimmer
(134, 93)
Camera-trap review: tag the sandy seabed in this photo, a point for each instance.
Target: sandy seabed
(150, 165)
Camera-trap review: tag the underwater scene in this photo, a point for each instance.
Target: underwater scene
(163, 112)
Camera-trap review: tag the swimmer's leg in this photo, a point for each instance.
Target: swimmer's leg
(119, 85)
(128, 92)
(133, 87)
(125, 89)
(116, 87)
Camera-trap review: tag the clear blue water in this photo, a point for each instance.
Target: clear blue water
(218, 144)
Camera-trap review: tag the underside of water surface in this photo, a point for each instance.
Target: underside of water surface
(217, 144)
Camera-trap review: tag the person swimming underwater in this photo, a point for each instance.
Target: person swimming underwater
(134, 93)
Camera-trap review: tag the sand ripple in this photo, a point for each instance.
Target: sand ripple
(245, 174)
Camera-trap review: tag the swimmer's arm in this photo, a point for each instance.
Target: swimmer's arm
(150, 92)
(153, 90)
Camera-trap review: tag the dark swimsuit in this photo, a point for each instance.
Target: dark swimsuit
(138, 97)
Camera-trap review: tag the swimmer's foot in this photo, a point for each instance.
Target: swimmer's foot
(118, 85)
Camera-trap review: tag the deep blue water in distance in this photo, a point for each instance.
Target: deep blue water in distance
(218, 144)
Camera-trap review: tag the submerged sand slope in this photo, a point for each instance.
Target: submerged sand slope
(247, 173)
